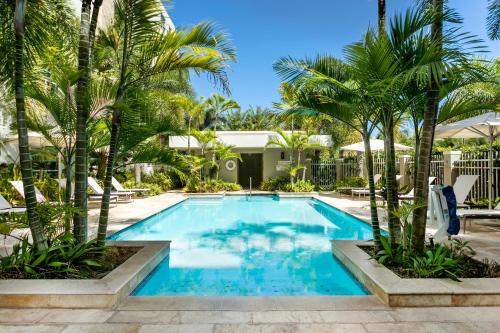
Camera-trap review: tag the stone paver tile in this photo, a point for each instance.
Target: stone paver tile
(429, 314)
(417, 327)
(254, 328)
(488, 326)
(101, 328)
(214, 317)
(21, 315)
(30, 328)
(145, 317)
(207, 328)
(76, 316)
(286, 317)
(356, 316)
(482, 314)
(329, 328)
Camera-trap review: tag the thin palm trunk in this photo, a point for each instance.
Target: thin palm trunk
(39, 239)
(189, 136)
(113, 144)
(381, 16)
(427, 139)
(390, 180)
(371, 186)
(81, 164)
(67, 194)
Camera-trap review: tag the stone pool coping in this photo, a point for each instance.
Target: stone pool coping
(396, 291)
(92, 293)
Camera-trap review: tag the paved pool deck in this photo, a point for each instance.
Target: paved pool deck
(257, 314)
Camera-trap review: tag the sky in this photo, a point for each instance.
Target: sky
(265, 30)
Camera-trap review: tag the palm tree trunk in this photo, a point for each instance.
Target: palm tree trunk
(81, 164)
(39, 239)
(189, 136)
(381, 16)
(113, 145)
(371, 186)
(427, 139)
(390, 180)
(67, 194)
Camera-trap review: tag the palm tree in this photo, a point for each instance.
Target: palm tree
(224, 153)
(204, 138)
(216, 106)
(88, 25)
(327, 86)
(149, 51)
(193, 111)
(39, 238)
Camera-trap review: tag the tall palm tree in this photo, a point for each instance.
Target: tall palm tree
(327, 86)
(88, 25)
(39, 238)
(493, 19)
(216, 106)
(148, 51)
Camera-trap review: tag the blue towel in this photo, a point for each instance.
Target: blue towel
(451, 200)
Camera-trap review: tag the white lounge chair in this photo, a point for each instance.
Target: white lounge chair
(18, 185)
(348, 190)
(94, 186)
(91, 197)
(464, 214)
(462, 187)
(6, 207)
(411, 195)
(366, 191)
(119, 187)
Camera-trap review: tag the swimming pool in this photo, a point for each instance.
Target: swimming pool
(249, 246)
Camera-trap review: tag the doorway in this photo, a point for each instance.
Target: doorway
(250, 166)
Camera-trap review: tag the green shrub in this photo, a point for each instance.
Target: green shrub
(275, 184)
(352, 182)
(159, 178)
(300, 186)
(196, 185)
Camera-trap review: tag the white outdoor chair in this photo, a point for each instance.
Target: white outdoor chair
(119, 187)
(411, 195)
(94, 186)
(18, 185)
(91, 197)
(462, 187)
(464, 214)
(6, 207)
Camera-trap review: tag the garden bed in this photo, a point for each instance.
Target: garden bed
(395, 290)
(114, 257)
(104, 292)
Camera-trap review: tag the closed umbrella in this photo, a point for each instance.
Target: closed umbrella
(486, 125)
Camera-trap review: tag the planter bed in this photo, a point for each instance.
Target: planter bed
(89, 293)
(397, 291)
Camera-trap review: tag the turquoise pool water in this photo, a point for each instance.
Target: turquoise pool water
(255, 246)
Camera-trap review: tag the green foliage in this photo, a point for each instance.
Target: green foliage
(161, 179)
(196, 185)
(300, 186)
(64, 258)
(355, 181)
(275, 184)
(436, 262)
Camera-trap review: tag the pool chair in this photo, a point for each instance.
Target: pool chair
(119, 187)
(91, 197)
(98, 190)
(465, 214)
(411, 195)
(6, 208)
(349, 190)
(462, 187)
(18, 185)
(366, 191)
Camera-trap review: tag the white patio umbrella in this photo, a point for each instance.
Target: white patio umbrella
(375, 145)
(483, 126)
